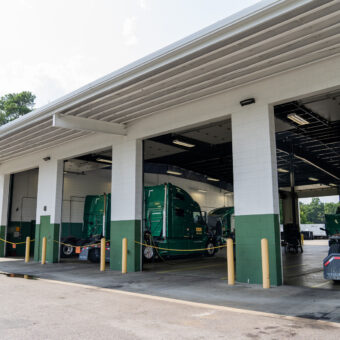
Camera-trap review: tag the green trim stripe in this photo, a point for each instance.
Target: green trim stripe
(250, 229)
(51, 232)
(131, 229)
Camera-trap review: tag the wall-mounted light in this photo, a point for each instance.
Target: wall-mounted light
(313, 179)
(103, 160)
(297, 119)
(282, 170)
(181, 143)
(247, 101)
(212, 179)
(46, 159)
(170, 172)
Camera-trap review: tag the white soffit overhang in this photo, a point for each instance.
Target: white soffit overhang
(265, 39)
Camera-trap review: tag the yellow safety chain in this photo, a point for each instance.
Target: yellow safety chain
(200, 249)
(16, 243)
(83, 246)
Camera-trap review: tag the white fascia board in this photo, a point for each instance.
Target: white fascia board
(87, 124)
(234, 24)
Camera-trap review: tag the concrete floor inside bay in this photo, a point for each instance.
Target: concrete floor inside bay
(201, 279)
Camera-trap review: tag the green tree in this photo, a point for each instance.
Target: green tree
(330, 208)
(14, 105)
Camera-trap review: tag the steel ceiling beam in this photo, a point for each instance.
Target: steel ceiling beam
(306, 157)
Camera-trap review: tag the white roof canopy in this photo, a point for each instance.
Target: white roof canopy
(263, 40)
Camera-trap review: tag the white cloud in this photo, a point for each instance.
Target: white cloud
(142, 4)
(129, 31)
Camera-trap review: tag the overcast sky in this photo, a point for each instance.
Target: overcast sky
(53, 47)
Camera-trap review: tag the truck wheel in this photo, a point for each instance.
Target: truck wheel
(334, 249)
(210, 249)
(94, 255)
(148, 253)
(66, 251)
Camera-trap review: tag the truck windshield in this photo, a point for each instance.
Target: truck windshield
(197, 216)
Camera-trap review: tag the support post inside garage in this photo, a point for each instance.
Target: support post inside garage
(255, 193)
(49, 205)
(126, 203)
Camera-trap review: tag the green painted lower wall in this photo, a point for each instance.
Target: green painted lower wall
(17, 232)
(51, 232)
(131, 229)
(250, 229)
(2, 243)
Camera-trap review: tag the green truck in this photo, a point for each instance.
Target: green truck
(95, 207)
(172, 220)
(221, 222)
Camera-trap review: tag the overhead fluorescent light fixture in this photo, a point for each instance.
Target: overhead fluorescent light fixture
(212, 179)
(297, 119)
(103, 160)
(332, 185)
(201, 190)
(282, 170)
(170, 172)
(313, 179)
(181, 143)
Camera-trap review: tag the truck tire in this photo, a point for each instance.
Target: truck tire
(210, 252)
(94, 255)
(148, 254)
(66, 251)
(334, 249)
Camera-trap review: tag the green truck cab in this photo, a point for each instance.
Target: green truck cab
(221, 222)
(173, 220)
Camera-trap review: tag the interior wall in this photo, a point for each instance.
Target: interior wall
(77, 187)
(211, 199)
(24, 198)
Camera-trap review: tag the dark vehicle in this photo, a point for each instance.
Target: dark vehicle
(331, 264)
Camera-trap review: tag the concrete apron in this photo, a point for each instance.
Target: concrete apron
(250, 229)
(51, 232)
(131, 229)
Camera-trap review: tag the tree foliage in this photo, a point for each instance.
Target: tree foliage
(315, 211)
(14, 105)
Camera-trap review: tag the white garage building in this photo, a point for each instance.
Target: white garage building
(238, 89)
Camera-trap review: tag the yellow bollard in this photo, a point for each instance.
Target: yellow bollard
(302, 239)
(265, 263)
(230, 260)
(43, 253)
(28, 246)
(102, 254)
(124, 256)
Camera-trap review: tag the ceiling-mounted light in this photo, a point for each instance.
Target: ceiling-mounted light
(297, 119)
(103, 160)
(212, 179)
(170, 172)
(332, 185)
(201, 190)
(282, 170)
(247, 101)
(313, 179)
(181, 143)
